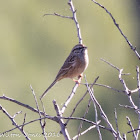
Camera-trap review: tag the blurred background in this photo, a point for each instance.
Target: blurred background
(33, 48)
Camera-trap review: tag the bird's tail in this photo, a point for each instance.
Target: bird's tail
(45, 92)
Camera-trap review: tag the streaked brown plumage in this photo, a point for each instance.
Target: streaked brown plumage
(74, 66)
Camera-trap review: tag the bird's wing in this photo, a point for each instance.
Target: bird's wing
(68, 64)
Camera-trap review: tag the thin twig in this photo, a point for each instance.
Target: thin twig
(116, 121)
(41, 124)
(23, 121)
(81, 99)
(61, 122)
(56, 118)
(56, 14)
(84, 132)
(130, 124)
(138, 86)
(117, 25)
(81, 123)
(114, 66)
(26, 106)
(103, 115)
(13, 122)
(96, 119)
(19, 112)
(69, 98)
(127, 91)
(109, 87)
(70, 3)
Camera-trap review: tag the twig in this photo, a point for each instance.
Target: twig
(114, 66)
(81, 123)
(44, 112)
(23, 121)
(130, 124)
(117, 25)
(69, 98)
(75, 20)
(106, 86)
(96, 119)
(103, 115)
(56, 14)
(56, 118)
(124, 137)
(61, 122)
(127, 106)
(84, 132)
(13, 122)
(26, 106)
(41, 124)
(19, 112)
(81, 99)
(116, 121)
(127, 91)
(70, 3)
(138, 86)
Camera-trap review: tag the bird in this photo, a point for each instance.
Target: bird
(74, 66)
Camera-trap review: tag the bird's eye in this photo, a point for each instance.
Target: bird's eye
(78, 50)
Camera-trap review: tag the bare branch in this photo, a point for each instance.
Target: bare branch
(96, 119)
(116, 121)
(81, 99)
(84, 132)
(19, 112)
(61, 122)
(69, 98)
(81, 123)
(117, 25)
(130, 124)
(106, 86)
(56, 14)
(75, 20)
(13, 122)
(103, 115)
(26, 106)
(114, 66)
(41, 124)
(23, 121)
(138, 86)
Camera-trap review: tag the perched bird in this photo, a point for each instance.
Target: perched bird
(74, 65)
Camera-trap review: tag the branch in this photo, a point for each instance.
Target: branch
(75, 20)
(13, 122)
(103, 115)
(130, 124)
(127, 91)
(81, 99)
(56, 14)
(84, 132)
(26, 106)
(117, 25)
(61, 122)
(56, 118)
(69, 98)
(81, 123)
(41, 124)
(138, 86)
